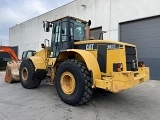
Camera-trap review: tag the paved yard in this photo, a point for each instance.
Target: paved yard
(139, 103)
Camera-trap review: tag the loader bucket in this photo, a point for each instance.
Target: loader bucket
(12, 71)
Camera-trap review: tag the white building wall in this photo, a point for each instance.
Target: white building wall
(105, 13)
(127, 10)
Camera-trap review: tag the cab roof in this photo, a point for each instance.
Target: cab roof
(74, 18)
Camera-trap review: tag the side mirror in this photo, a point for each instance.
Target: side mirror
(46, 26)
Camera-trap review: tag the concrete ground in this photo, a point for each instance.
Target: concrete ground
(139, 103)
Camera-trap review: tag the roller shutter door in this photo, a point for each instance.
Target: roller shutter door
(145, 34)
(95, 32)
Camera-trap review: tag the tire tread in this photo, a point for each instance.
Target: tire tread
(32, 82)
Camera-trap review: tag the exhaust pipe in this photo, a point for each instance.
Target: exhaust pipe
(88, 30)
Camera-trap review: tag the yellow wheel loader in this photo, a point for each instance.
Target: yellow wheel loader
(77, 64)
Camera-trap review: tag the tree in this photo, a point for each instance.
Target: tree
(1, 42)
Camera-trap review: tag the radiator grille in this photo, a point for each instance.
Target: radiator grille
(131, 60)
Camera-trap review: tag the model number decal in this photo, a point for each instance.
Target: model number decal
(113, 46)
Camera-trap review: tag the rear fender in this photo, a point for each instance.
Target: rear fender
(83, 55)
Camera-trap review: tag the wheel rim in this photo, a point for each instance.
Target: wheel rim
(67, 82)
(24, 73)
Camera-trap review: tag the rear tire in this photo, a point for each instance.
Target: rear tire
(78, 89)
(27, 75)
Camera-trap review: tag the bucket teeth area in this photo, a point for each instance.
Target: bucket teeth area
(12, 71)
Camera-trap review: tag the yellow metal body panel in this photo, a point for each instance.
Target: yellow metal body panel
(94, 52)
(114, 56)
(117, 81)
(85, 56)
(103, 84)
(145, 72)
(38, 62)
(51, 61)
(123, 80)
(41, 58)
(103, 41)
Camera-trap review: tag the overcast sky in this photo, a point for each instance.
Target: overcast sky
(13, 12)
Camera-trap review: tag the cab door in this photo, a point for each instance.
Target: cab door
(59, 40)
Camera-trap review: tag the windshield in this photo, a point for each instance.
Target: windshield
(78, 30)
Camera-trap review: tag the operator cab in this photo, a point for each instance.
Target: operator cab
(27, 54)
(65, 32)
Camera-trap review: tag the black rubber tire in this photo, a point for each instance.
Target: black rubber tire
(83, 89)
(30, 82)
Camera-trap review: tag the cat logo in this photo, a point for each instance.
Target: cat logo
(89, 46)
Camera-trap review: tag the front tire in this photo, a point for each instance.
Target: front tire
(27, 75)
(73, 82)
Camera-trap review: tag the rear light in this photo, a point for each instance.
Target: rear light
(117, 67)
(141, 64)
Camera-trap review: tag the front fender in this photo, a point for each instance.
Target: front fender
(38, 62)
